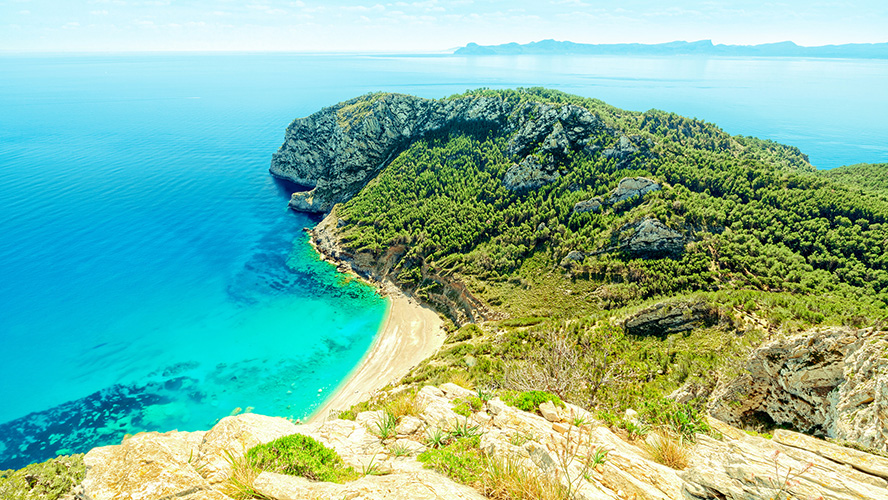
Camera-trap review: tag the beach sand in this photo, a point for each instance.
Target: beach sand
(410, 333)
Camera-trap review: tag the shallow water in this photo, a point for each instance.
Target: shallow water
(152, 277)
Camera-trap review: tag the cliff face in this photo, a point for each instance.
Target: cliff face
(339, 149)
(831, 382)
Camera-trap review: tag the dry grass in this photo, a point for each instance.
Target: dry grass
(462, 379)
(239, 485)
(668, 449)
(506, 479)
(404, 404)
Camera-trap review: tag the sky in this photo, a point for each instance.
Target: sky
(421, 26)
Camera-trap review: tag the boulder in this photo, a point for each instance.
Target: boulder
(408, 425)
(573, 256)
(551, 412)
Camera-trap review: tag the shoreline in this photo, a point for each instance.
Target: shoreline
(410, 333)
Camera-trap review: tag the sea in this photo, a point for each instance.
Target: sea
(151, 275)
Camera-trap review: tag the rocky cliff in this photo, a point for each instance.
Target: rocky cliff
(338, 150)
(831, 382)
(551, 447)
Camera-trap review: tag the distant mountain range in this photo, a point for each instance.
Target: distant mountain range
(702, 47)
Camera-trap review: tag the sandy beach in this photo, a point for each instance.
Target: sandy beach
(410, 333)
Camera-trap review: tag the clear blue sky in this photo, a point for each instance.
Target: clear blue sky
(429, 25)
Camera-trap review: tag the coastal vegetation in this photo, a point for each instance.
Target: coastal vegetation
(766, 245)
(48, 480)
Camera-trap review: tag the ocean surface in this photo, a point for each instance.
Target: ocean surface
(151, 276)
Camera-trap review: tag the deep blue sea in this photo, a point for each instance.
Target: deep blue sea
(151, 276)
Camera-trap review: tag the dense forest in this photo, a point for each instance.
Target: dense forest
(764, 236)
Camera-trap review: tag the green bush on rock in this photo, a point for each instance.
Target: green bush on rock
(299, 455)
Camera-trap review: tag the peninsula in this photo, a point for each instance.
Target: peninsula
(701, 48)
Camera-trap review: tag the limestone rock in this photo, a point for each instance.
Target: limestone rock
(630, 187)
(531, 173)
(591, 205)
(866, 462)
(624, 148)
(651, 238)
(455, 391)
(573, 256)
(147, 466)
(419, 485)
(755, 468)
(236, 435)
(669, 317)
(827, 381)
(551, 412)
(408, 425)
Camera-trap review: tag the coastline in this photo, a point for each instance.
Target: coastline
(410, 333)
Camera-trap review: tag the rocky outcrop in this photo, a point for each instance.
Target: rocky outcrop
(529, 174)
(154, 466)
(337, 150)
(630, 187)
(591, 205)
(831, 382)
(666, 318)
(650, 238)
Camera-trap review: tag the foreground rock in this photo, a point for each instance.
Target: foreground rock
(831, 382)
(190, 466)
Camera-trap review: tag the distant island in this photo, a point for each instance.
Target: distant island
(701, 47)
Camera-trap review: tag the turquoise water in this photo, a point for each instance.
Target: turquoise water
(152, 277)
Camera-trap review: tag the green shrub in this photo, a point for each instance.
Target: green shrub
(44, 481)
(461, 460)
(683, 419)
(467, 406)
(299, 455)
(530, 401)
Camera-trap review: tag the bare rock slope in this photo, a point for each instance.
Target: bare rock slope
(196, 466)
